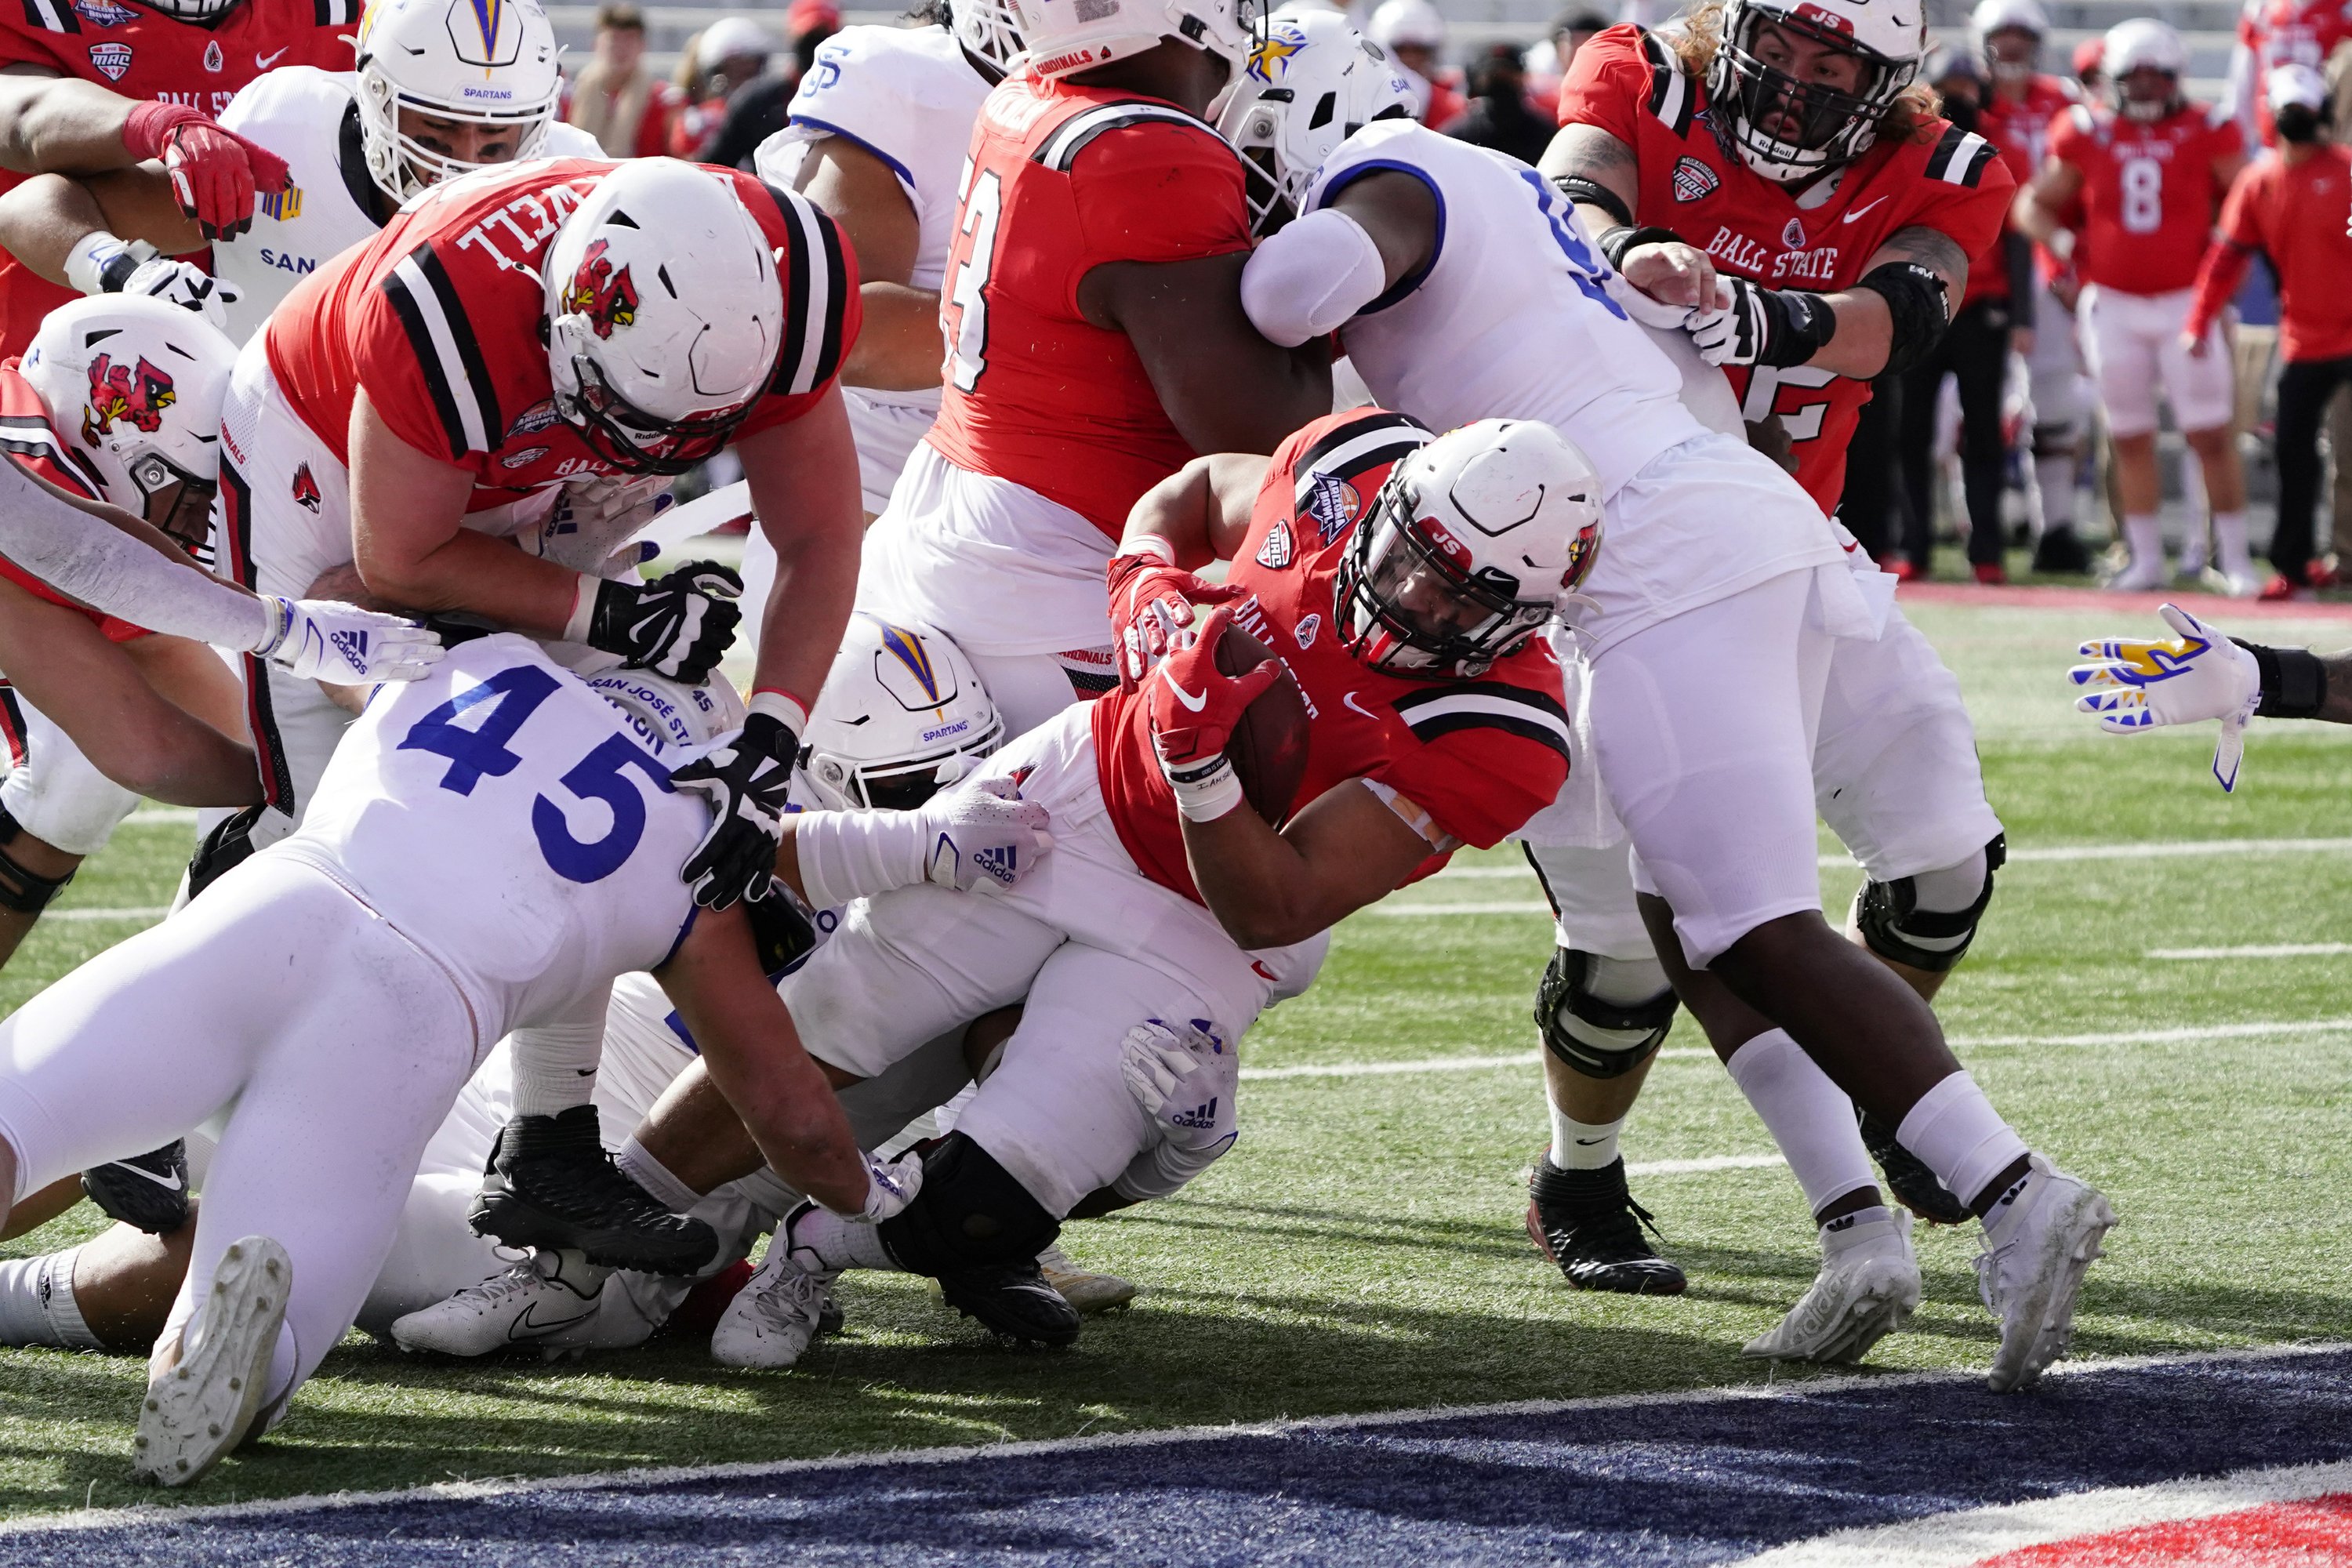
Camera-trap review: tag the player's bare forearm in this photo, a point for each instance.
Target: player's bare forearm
(805, 494)
(1589, 152)
(1866, 327)
(58, 124)
(43, 219)
(1203, 510)
(897, 350)
(2041, 201)
(1345, 850)
(898, 347)
(697, 1135)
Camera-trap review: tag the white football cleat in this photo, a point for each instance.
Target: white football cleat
(1081, 1287)
(772, 1320)
(1867, 1289)
(208, 1402)
(528, 1303)
(2141, 577)
(2032, 1270)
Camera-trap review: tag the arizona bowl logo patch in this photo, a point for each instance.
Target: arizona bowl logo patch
(1275, 554)
(524, 458)
(1693, 180)
(117, 392)
(1793, 237)
(113, 60)
(103, 13)
(1334, 505)
(1309, 627)
(213, 60)
(306, 489)
(540, 415)
(607, 298)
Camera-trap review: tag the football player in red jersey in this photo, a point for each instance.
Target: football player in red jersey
(1095, 342)
(158, 72)
(1402, 582)
(2273, 33)
(2150, 174)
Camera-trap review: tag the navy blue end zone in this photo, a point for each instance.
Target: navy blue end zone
(1699, 1478)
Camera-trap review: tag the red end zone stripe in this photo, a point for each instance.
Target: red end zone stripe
(2203, 606)
(2303, 1534)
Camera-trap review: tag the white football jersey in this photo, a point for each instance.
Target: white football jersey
(511, 824)
(308, 116)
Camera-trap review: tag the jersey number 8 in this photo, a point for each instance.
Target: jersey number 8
(2143, 189)
(963, 319)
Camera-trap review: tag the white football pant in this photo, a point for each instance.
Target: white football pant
(54, 791)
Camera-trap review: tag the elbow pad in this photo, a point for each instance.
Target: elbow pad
(1311, 277)
(1915, 298)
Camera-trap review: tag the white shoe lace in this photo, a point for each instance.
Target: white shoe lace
(487, 1296)
(789, 1299)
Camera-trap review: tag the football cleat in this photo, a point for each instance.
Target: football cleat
(1588, 1223)
(528, 1303)
(2140, 578)
(146, 1191)
(551, 1184)
(2031, 1269)
(210, 1400)
(1015, 1300)
(1914, 1186)
(2060, 550)
(1990, 574)
(1867, 1289)
(771, 1321)
(1081, 1287)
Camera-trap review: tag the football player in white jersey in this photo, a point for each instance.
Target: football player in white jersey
(491, 846)
(1718, 707)
(433, 96)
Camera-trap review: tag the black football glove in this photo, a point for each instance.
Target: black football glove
(745, 783)
(1764, 326)
(677, 626)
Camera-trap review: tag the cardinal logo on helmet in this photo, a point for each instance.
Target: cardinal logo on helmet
(1581, 551)
(606, 297)
(306, 489)
(136, 397)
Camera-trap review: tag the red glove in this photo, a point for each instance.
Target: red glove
(1194, 707)
(1152, 605)
(214, 172)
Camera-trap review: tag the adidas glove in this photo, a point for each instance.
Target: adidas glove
(2136, 685)
(1185, 1079)
(593, 519)
(1763, 326)
(320, 639)
(677, 626)
(974, 838)
(746, 782)
(1194, 707)
(890, 1185)
(214, 172)
(1153, 607)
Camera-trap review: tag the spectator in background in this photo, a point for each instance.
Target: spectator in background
(2275, 33)
(614, 97)
(728, 55)
(759, 107)
(2292, 203)
(2339, 412)
(1413, 34)
(1498, 116)
(1548, 61)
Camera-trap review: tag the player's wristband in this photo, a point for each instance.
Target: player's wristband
(1204, 790)
(2294, 683)
(775, 702)
(100, 263)
(584, 590)
(1593, 194)
(1615, 242)
(149, 125)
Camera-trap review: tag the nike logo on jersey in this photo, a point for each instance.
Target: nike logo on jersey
(176, 1181)
(1350, 700)
(263, 62)
(1857, 211)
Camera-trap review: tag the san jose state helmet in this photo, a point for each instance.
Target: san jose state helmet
(1305, 86)
(902, 715)
(490, 62)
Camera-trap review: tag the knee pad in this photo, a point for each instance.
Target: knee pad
(23, 892)
(971, 1213)
(1598, 1038)
(1895, 926)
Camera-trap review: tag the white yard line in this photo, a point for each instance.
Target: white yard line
(2186, 848)
(2260, 950)
(156, 913)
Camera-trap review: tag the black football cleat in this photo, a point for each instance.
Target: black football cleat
(551, 1183)
(1587, 1223)
(1012, 1299)
(2061, 550)
(1914, 1186)
(148, 1191)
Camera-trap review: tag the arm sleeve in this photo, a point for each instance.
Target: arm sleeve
(2016, 254)
(1607, 83)
(1480, 784)
(1156, 191)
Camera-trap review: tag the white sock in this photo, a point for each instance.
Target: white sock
(1873, 1226)
(36, 1303)
(2056, 476)
(1956, 1133)
(1582, 1145)
(835, 1243)
(641, 1167)
(554, 1065)
(2229, 544)
(1810, 1118)
(2145, 537)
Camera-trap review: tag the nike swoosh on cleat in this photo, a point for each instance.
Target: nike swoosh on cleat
(517, 1330)
(174, 1184)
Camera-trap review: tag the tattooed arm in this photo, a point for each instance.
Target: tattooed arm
(1673, 274)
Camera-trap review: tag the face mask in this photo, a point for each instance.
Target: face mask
(2297, 123)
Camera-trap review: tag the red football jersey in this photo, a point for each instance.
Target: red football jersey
(1481, 756)
(138, 53)
(28, 437)
(1061, 180)
(438, 318)
(2298, 216)
(2149, 193)
(2020, 131)
(1630, 84)
(2290, 32)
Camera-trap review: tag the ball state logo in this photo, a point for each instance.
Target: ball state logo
(117, 392)
(306, 489)
(608, 299)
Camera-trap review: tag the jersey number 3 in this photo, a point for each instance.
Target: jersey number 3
(963, 319)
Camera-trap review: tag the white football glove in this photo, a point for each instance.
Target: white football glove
(1185, 1080)
(186, 285)
(321, 639)
(984, 838)
(891, 1186)
(2139, 685)
(593, 519)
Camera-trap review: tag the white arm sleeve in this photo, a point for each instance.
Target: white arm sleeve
(1311, 277)
(847, 854)
(108, 570)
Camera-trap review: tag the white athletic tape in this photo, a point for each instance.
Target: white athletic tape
(705, 514)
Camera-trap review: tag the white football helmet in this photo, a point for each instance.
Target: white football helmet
(1788, 130)
(901, 716)
(2144, 44)
(1307, 85)
(670, 716)
(487, 62)
(1469, 550)
(988, 28)
(1406, 21)
(1993, 17)
(133, 387)
(1068, 36)
(664, 315)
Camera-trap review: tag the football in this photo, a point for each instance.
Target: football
(1269, 745)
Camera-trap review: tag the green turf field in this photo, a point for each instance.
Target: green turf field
(1361, 1248)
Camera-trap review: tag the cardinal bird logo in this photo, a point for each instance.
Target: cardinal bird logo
(1580, 552)
(306, 489)
(136, 397)
(607, 298)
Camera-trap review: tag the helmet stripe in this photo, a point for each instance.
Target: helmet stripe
(910, 652)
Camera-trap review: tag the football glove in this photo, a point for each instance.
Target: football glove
(2136, 685)
(746, 782)
(982, 838)
(1185, 1079)
(1763, 326)
(1194, 707)
(320, 640)
(214, 173)
(890, 1185)
(676, 626)
(189, 287)
(1152, 606)
(594, 520)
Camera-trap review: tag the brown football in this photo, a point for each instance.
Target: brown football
(1268, 748)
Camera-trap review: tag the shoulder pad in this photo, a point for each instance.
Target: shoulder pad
(1060, 150)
